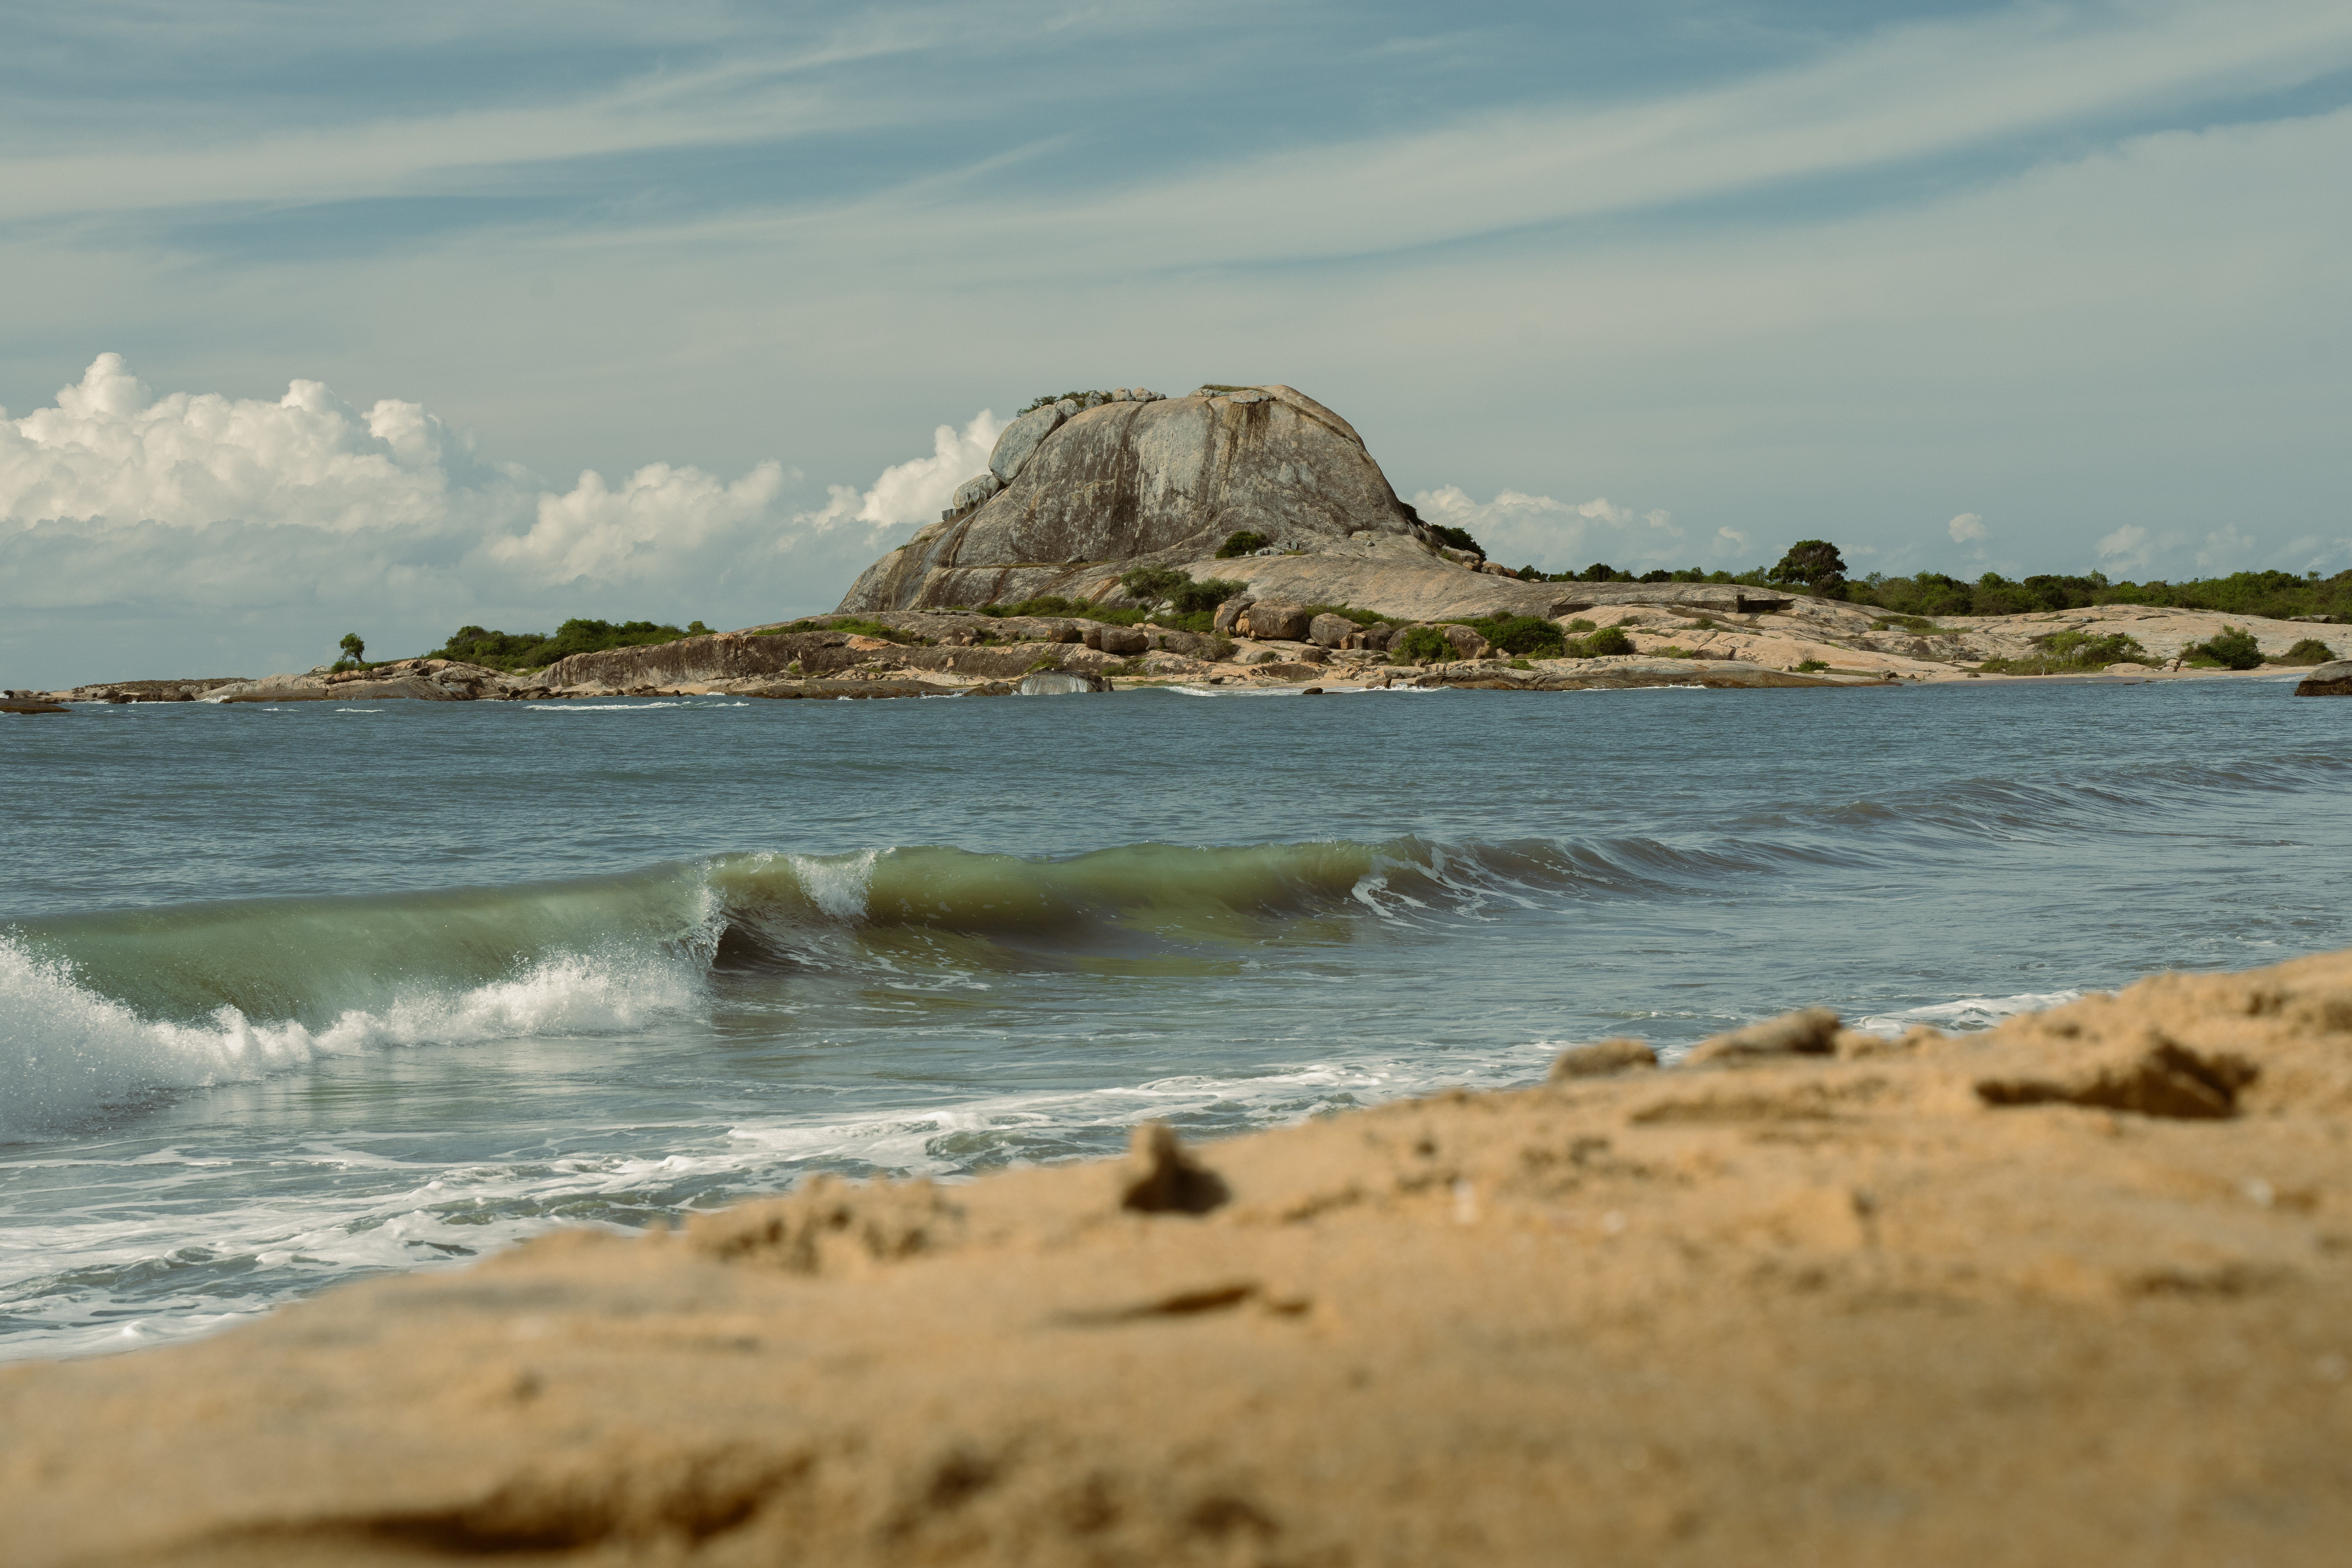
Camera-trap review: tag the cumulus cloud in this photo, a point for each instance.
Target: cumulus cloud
(309, 508)
(1562, 536)
(914, 492)
(1968, 528)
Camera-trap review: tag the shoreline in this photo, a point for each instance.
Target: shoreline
(2069, 1289)
(1803, 642)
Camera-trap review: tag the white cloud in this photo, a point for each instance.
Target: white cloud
(1968, 528)
(2125, 550)
(182, 509)
(108, 448)
(2227, 549)
(918, 491)
(1560, 536)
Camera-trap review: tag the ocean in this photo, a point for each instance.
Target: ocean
(291, 996)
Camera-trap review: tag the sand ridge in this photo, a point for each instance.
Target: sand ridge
(2070, 1290)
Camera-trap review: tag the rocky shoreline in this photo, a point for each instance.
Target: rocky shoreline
(2068, 1291)
(1681, 635)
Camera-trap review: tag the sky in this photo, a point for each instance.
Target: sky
(325, 317)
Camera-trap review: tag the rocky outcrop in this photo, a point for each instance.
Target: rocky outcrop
(2327, 680)
(1089, 492)
(411, 679)
(193, 689)
(31, 705)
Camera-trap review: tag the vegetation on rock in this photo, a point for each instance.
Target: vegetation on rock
(1052, 397)
(855, 625)
(1527, 635)
(1350, 613)
(1421, 644)
(536, 650)
(2233, 648)
(1459, 538)
(2072, 653)
(1241, 543)
(2309, 650)
(1189, 598)
(1608, 640)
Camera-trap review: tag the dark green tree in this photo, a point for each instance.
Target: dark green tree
(1814, 562)
(354, 650)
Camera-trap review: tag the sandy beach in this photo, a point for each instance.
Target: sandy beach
(2069, 1290)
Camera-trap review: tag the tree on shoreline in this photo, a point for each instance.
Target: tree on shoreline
(1814, 564)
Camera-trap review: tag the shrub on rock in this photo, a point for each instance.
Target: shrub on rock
(1241, 543)
(2309, 650)
(2234, 648)
(1418, 645)
(1608, 640)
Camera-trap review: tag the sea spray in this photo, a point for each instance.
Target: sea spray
(66, 1051)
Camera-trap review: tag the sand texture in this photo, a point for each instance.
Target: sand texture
(2077, 1290)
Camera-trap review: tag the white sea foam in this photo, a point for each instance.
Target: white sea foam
(837, 884)
(1967, 1014)
(66, 1050)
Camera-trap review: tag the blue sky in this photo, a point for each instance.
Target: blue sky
(1968, 287)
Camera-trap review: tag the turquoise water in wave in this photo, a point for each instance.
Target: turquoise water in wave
(289, 996)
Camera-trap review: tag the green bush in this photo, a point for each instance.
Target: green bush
(536, 650)
(1527, 635)
(2072, 653)
(1457, 537)
(1607, 640)
(2234, 648)
(1810, 666)
(855, 625)
(2309, 650)
(1421, 644)
(1242, 542)
(1191, 598)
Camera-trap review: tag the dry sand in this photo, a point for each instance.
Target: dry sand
(2077, 1290)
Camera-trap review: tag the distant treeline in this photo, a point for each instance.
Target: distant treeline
(2276, 595)
(534, 650)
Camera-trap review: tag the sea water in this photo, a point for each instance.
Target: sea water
(291, 995)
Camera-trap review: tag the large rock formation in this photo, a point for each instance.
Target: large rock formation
(1088, 492)
(1074, 494)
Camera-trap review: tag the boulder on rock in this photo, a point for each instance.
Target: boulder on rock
(1019, 440)
(1329, 630)
(974, 491)
(2333, 679)
(1123, 641)
(1275, 620)
(1468, 643)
